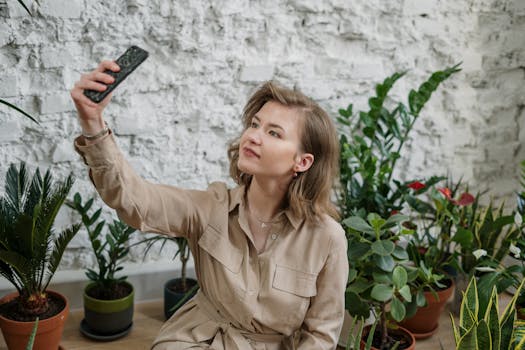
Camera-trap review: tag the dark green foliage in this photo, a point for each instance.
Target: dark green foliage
(109, 250)
(370, 147)
(30, 250)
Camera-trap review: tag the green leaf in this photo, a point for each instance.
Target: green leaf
(383, 248)
(359, 285)
(381, 277)
(18, 109)
(468, 315)
(420, 299)
(359, 224)
(352, 274)
(385, 263)
(405, 293)
(400, 253)
(357, 250)
(381, 292)
(399, 277)
(397, 310)
(484, 336)
(356, 306)
(463, 237)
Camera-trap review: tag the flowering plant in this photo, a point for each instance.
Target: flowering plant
(435, 215)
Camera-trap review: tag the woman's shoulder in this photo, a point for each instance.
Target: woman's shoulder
(329, 229)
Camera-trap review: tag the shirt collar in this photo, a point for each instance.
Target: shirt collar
(237, 196)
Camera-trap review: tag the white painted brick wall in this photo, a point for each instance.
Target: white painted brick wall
(175, 114)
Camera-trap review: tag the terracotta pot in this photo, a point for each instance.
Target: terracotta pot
(49, 330)
(426, 320)
(399, 330)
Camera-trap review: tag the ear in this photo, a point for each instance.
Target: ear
(303, 162)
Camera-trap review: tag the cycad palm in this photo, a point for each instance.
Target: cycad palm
(30, 250)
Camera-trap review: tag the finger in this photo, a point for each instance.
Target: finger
(107, 64)
(90, 85)
(81, 99)
(103, 77)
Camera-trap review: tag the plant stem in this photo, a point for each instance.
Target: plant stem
(384, 330)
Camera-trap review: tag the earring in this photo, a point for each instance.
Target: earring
(295, 175)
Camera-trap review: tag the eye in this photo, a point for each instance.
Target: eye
(254, 125)
(274, 134)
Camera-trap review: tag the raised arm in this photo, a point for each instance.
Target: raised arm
(142, 205)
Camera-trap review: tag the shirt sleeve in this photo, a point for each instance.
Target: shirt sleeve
(142, 205)
(324, 319)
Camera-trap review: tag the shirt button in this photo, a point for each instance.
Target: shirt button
(274, 236)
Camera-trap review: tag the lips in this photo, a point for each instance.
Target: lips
(247, 151)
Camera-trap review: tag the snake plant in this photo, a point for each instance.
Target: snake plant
(486, 331)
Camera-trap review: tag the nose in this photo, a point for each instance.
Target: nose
(254, 136)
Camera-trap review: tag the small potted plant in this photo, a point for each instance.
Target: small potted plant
(176, 290)
(30, 253)
(108, 299)
(380, 275)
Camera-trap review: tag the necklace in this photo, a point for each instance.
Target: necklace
(263, 223)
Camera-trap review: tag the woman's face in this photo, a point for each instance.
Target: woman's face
(270, 146)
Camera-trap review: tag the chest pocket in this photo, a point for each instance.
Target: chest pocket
(292, 290)
(222, 272)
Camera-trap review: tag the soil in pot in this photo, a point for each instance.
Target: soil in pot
(404, 337)
(11, 309)
(426, 320)
(120, 291)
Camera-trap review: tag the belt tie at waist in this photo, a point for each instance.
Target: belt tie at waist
(226, 336)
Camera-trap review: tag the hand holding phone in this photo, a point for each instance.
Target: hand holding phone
(128, 62)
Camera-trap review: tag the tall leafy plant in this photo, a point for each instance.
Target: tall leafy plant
(30, 249)
(371, 143)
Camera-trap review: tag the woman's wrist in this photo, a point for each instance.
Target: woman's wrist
(92, 127)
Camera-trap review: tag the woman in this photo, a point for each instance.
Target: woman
(269, 256)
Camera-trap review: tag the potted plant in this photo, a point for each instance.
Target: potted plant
(108, 299)
(434, 220)
(437, 290)
(480, 325)
(380, 275)
(176, 290)
(30, 253)
(371, 144)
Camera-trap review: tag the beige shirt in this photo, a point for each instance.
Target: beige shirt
(291, 295)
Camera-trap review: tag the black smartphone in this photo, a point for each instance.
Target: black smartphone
(129, 60)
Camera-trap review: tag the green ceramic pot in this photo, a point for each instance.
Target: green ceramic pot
(107, 317)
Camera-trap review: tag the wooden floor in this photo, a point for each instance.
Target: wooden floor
(149, 317)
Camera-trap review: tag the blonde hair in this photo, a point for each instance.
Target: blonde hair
(309, 194)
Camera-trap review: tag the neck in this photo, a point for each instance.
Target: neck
(265, 198)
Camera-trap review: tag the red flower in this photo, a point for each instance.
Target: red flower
(394, 212)
(446, 192)
(465, 199)
(416, 185)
